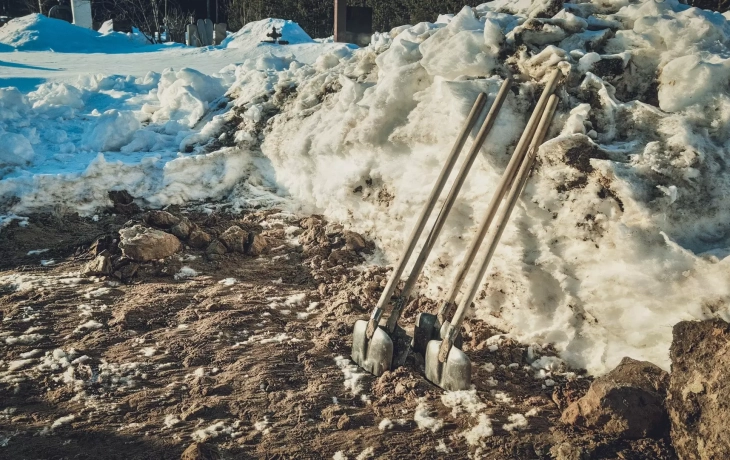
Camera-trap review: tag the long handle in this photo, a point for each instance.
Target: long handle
(448, 204)
(496, 233)
(504, 184)
(425, 213)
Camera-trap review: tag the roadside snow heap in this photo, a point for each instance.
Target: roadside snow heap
(621, 232)
(36, 32)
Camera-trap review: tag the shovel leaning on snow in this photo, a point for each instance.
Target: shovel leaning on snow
(431, 327)
(446, 365)
(378, 348)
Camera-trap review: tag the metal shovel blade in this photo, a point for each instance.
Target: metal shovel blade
(428, 327)
(374, 355)
(454, 374)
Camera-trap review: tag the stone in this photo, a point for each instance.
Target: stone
(198, 239)
(628, 402)
(144, 244)
(355, 241)
(127, 271)
(201, 451)
(182, 229)
(257, 245)
(160, 219)
(216, 247)
(99, 266)
(235, 239)
(123, 202)
(699, 389)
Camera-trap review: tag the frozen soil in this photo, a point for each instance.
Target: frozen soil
(245, 354)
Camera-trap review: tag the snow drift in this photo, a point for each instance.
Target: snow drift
(621, 231)
(254, 33)
(36, 32)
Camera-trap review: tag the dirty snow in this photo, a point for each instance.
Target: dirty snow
(601, 261)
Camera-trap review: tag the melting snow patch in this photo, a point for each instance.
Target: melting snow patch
(503, 397)
(185, 272)
(424, 420)
(339, 455)
(171, 420)
(532, 412)
(516, 422)
(227, 281)
(262, 425)
(353, 375)
(365, 454)
(37, 251)
(296, 299)
(464, 400)
(62, 421)
(18, 364)
(90, 325)
(385, 424)
(24, 339)
(483, 429)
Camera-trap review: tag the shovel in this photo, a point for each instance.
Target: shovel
(377, 349)
(447, 366)
(429, 326)
(372, 348)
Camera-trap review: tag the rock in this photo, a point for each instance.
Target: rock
(216, 247)
(182, 229)
(123, 202)
(257, 245)
(198, 239)
(355, 241)
(127, 271)
(235, 239)
(161, 219)
(143, 244)
(699, 389)
(100, 266)
(628, 402)
(201, 451)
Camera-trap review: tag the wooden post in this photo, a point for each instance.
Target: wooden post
(340, 20)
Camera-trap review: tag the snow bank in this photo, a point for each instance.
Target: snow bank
(36, 32)
(622, 230)
(254, 33)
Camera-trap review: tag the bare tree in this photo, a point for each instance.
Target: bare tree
(175, 23)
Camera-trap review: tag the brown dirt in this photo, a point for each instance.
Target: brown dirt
(252, 362)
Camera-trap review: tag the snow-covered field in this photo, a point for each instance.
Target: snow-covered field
(621, 232)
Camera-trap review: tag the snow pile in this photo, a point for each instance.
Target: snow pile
(619, 234)
(254, 33)
(36, 32)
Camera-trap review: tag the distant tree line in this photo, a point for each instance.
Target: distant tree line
(316, 17)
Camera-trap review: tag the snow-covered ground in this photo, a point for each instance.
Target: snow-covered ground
(621, 232)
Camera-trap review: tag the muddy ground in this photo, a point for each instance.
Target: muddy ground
(249, 355)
